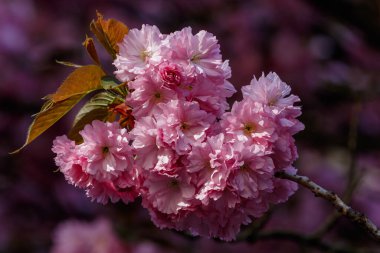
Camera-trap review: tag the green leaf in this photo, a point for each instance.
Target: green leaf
(50, 114)
(109, 82)
(95, 109)
(81, 81)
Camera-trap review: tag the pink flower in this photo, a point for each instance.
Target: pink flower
(138, 49)
(70, 162)
(147, 142)
(171, 74)
(200, 51)
(221, 218)
(211, 95)
(284, 151)
(114, 190)
(148, 91)
(183, 124)
(106, 147)
(248, 122)
(102, 164)
(271, 91)
(210, 161)
(169, 194)
(252, 173)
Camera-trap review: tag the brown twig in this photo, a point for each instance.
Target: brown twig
(334, 199)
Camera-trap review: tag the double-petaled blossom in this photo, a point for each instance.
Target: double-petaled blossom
(102, 164)
(137, 51)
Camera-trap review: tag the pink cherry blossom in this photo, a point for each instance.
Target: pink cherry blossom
(70, 162)
(248, 122)
(113, 191)
(270, 90)
(87, 166)
(106, 147)
(147, 142)
(252, 173)
(183, 124)
(200, 51)
(137, 50)
(169, 194)
(210, 161)
(171, 74)
(148, 91)
(211, 96)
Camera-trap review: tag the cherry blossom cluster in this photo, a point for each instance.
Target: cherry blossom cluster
(197, 167)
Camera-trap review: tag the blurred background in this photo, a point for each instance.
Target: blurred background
(327, 51)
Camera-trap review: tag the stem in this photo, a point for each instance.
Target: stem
(335, 200)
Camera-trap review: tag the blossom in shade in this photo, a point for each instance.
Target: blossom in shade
(136, 51)
(210, 162)
(253, 172)
(168, 194)
(113, 191)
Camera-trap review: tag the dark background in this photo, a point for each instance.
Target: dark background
(327, 51)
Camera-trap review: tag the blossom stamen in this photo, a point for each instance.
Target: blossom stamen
(249, 128)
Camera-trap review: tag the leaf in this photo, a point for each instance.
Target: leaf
(46, 118)
(68, 64)
(91, 50)
(80, 81)
(109, 33)
(96, 108)
(109, 82)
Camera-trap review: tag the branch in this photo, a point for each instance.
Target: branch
(334, 199)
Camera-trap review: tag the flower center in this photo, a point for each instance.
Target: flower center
(249, 128)
(157, 95)
(171, 75)
(184, 126)
(244, 167)
(105, 150)
(174, 183)
(195, 58)
(144, 55)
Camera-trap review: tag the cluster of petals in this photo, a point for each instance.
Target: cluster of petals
(180, 65)
(196, 167)
(102, 164)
